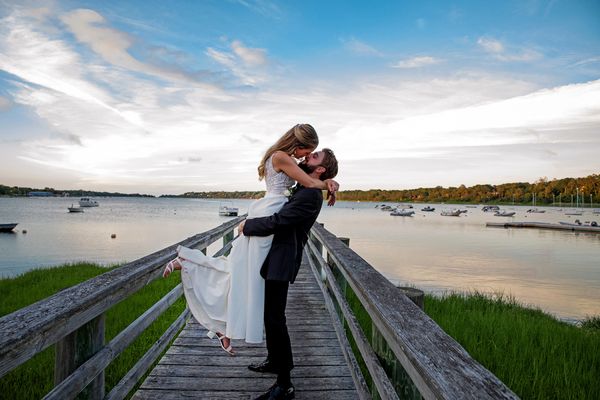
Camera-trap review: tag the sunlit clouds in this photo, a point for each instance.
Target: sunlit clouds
(112, 108)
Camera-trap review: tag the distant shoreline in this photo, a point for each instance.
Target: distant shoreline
(584, 191)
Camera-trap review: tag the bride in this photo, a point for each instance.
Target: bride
(226, 294)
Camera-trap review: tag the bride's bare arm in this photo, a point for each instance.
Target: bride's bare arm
(285, 163)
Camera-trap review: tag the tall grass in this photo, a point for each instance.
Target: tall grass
(34, 379)
(533, 353)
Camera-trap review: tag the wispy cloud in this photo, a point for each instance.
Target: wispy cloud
(265, 8)
(113, 45)
(416, 62)
(499, 51)
(491, 45)
(252, 57)
(587, 61)
(359, 47)
(244, 62)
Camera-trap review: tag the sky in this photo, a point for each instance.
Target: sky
(168, 97)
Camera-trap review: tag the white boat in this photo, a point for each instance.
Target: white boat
(504, 213)
(451, 213)
(7, 227)
(579, 223)
(428, 209)
(402, 213)
(74, 209)
(227, 211)
(88, 202)
(490, 208)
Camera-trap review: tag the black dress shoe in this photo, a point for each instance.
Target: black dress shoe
(277, 392)
(265, 367)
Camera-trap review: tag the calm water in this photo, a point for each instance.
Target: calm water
(557, 271)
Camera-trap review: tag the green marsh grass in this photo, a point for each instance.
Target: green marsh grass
(33, 379)
(536, 355)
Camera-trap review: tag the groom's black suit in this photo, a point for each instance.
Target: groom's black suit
(290, 227)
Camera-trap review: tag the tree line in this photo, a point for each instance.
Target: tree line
(546, 192)
(18, 191)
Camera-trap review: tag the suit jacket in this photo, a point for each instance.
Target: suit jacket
(290, 227)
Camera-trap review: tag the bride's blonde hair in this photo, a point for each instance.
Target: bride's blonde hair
(301, 136)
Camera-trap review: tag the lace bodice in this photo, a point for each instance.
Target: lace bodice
(277, 182)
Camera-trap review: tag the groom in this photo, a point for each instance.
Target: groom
(290, 227)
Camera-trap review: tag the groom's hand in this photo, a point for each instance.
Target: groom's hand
(241, 227)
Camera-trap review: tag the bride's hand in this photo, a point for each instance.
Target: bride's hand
(330, 198)
(332, 186)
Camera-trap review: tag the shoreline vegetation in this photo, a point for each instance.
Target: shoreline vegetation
(547, 192)
(532, 352)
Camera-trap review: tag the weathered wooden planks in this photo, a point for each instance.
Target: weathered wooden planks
(196, 367)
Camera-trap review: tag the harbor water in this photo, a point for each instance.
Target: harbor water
(557, 271)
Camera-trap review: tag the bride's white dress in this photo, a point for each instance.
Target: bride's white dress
(226, 294)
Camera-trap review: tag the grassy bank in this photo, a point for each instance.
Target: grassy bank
(534, 354)
(33, 379)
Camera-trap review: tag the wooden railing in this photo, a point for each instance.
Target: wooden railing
(393, 348)
(73, 319)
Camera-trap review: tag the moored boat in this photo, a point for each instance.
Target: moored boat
(402, 213)
(490, 208)
(428, 209)
(74, 209)
(7, 227)
(451, 213)
(504, 213)
(227, 211)
(88, 202)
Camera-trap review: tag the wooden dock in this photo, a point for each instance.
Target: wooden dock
(354, 336)
(196, 367)
(544, 225)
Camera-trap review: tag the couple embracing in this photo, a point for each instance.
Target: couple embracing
(234, 297)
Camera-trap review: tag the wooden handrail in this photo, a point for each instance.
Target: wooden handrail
(437, 365)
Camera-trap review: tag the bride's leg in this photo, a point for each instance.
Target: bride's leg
(225, 343)
(171, 266)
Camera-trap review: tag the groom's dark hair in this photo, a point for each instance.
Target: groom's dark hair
(330, 164)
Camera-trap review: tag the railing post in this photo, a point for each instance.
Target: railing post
(228, 237)
(75, 349)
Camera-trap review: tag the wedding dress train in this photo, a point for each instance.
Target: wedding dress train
(226, 294)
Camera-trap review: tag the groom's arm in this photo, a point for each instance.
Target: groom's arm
(305, 204)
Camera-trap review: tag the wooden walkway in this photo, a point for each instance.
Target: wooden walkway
(196, 367)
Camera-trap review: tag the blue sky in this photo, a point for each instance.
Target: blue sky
(166, 97)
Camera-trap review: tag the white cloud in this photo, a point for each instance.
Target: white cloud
(491, 45)
(91, 28)
(251, 57)
(246, 63)
(416, 62)
(359, 47)
(497, 49)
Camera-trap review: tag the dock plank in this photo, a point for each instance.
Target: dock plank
(196, 367)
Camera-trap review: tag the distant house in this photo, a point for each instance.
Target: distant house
(40, 194)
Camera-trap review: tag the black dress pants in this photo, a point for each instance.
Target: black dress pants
(279, 347)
